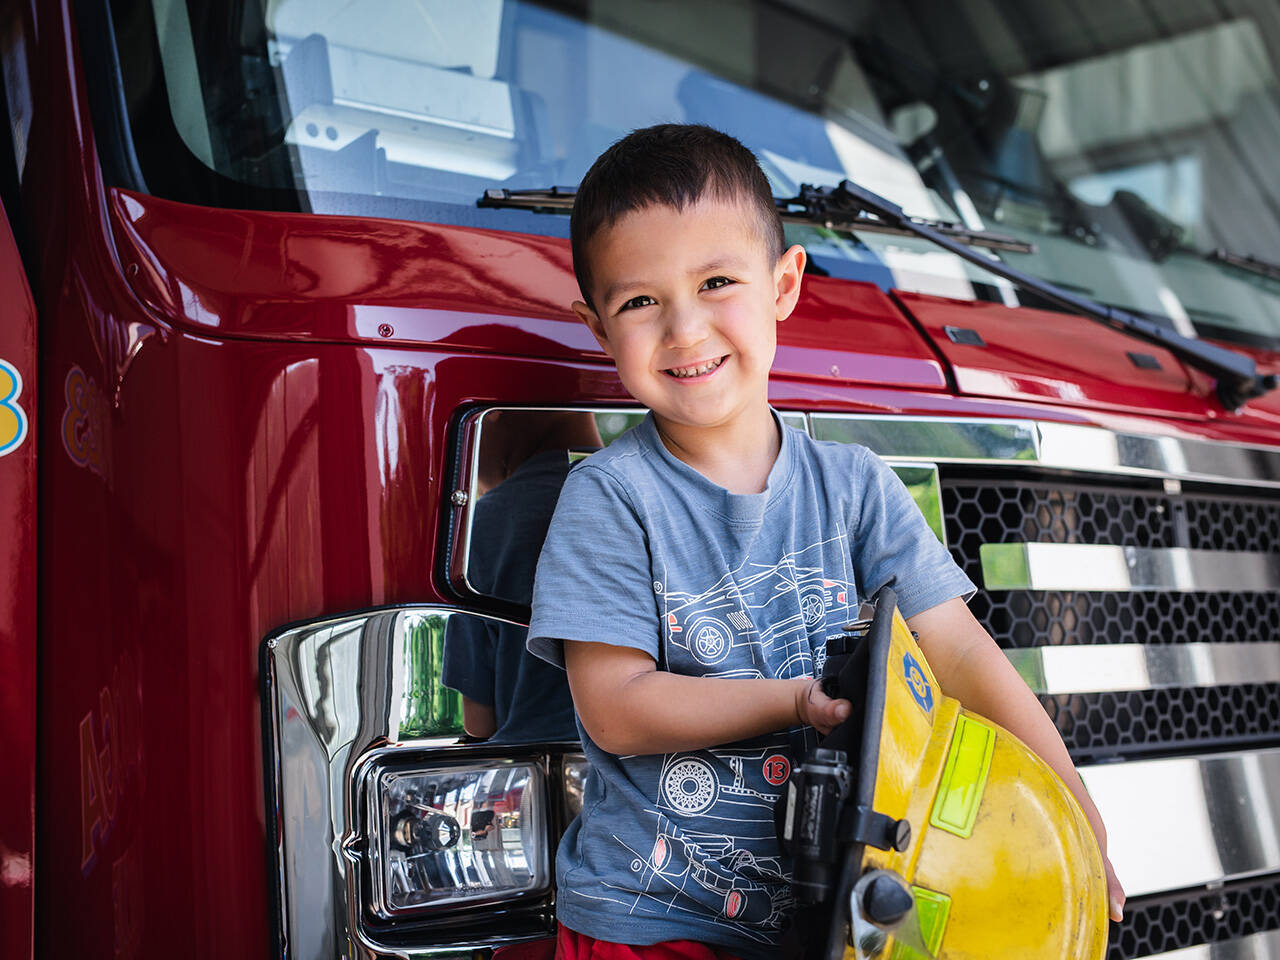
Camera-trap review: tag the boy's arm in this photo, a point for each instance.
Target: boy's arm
(972, 668)
(628, 706)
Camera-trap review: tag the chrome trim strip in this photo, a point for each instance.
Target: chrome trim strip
(1058, 446)
(1189, 821)
(1097, 668)
(1256, 946)
(1101, 567)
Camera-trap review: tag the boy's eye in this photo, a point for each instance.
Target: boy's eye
(643, 300)
(717, 282)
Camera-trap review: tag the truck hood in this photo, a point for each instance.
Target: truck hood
(1048, 357)
(304, 277)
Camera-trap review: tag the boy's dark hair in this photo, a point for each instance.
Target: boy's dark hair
(673, 164)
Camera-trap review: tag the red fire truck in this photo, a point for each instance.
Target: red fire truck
(295, 381)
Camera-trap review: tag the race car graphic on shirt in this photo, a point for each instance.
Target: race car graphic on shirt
(797, 598)
(688, 870)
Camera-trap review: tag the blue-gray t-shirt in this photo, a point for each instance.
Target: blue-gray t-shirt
(645, 552)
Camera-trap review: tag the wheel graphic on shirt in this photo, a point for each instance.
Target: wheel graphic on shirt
(709, 641)
(813, 606)
(734, 903)
(690, 786)
(661, 855)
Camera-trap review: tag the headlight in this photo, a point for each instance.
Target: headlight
(575, 782)
(449, 835)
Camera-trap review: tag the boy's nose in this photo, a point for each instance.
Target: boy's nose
(686, 327)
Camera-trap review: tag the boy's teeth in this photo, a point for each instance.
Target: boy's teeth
(695, 371)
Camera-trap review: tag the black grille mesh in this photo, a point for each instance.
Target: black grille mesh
(1160, 924)
(1098, 725)
(979, 513)
(1233, 525)
(1036, 618)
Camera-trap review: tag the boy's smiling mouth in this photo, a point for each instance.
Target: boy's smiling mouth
(697, 370)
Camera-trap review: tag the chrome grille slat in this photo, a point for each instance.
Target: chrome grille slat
(1101, 567)
(1138, 666)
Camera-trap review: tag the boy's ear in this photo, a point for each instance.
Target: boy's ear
(589, 317)
(787, 276)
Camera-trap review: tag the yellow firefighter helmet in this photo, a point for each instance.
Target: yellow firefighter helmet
(982, 852)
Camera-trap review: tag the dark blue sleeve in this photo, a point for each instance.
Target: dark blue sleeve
(468, 658)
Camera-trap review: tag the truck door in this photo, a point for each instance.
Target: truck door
(17, 599)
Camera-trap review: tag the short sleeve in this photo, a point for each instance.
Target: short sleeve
(468, 658)
(594, 581)
(894, 546)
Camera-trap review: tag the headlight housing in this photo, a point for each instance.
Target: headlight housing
(459, 834)
(391, 835)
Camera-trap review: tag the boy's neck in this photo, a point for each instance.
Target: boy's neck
(738, 455)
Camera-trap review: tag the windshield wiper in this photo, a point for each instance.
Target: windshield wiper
(1262, 268)
(560, 200)
(1238, 380)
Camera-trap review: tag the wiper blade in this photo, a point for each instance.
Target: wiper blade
(793, 210)
(1248, 262)
(1238, 380)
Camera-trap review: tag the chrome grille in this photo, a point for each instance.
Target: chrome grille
(1192, 714)
(1096, 724)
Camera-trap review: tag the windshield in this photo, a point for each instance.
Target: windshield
(1131, 142)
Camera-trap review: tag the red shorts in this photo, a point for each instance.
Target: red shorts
(571, 945)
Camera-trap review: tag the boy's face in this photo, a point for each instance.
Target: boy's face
(687, 305)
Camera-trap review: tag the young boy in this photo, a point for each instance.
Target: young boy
(695, 568)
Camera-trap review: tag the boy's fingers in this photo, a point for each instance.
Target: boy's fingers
(1115, 893)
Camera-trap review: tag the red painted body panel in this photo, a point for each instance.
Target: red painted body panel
(18, 505)
(249, 450)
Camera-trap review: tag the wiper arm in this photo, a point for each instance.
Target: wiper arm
(560, 200)
(1262, 268)
(1238, 380)
(548, 200)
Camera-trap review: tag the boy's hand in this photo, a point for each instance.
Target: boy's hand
(816, 709)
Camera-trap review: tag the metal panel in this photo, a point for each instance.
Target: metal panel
(925, 487)
(1136, 666)
(1189, 821)
(951, 439)
(1101, 567)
